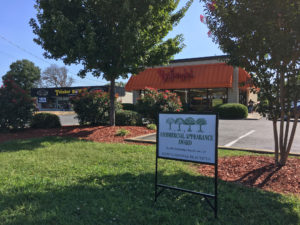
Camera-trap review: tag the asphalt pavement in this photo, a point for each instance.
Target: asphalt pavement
(247, 134)
(67, 120)
(252, 134)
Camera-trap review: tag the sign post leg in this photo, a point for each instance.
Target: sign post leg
(216, 190)
(155, 180)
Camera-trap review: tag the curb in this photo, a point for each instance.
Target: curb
(137, 140)
(255, 150)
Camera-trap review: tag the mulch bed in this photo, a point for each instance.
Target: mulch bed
(258, 171)
(253, 171)
(97, 134)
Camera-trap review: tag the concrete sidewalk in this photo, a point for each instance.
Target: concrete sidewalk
(254, 116)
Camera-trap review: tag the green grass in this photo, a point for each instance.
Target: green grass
(66, 181)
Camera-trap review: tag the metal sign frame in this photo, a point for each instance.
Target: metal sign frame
(207, 196)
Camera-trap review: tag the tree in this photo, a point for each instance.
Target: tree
(178, 122)
(201, 122)
(17, 107)
(55, 76)
(263, 37)
(24, 73)
(189, 121)
(170, 121)
(110, 38)
(118, 84)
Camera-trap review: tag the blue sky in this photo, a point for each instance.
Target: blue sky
(16, 39)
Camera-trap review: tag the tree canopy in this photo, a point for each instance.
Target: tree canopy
(24, 73)
(110, 38)
(263, 37)
(55, 76)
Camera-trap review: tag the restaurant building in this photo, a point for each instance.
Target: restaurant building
(58, 99)
(201, 83)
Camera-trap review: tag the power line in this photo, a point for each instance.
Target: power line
(39, 58)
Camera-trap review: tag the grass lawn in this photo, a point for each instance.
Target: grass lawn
(66, 181)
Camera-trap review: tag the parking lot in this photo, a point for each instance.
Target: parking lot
(253, 134)
(247, 134)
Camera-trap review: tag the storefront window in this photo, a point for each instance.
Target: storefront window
(217, 96)
(183, 94)
(63, 103)
(206, 99)
(198, 100)
(49, 104)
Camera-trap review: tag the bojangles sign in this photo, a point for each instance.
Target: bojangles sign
(171, 75)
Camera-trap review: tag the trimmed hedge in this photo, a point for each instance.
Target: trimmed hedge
(232, 111)
(45, 120)
(128, 118)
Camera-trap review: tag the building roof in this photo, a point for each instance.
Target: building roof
(217, 58)
(214, 75)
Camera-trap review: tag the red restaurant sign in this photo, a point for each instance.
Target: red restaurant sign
(171, 75)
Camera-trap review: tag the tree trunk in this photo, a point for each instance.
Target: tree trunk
(276, 141)
(112, 92)
(285, 155)
(282, 105)
(285, 143)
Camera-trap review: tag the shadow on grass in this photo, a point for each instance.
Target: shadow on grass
(32, 144)
(129, 199)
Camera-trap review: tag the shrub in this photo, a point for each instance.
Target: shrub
(45, 120)
(92, 108)
(151, 126)
(122, 132)
(232, 111)
(154, 102)
(128, 106)
(17, 106)
(128, 118)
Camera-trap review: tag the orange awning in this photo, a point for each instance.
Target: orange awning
(185, 77)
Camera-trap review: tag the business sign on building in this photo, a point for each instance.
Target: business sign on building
(191, 138)
(42, 100)
(187, 137)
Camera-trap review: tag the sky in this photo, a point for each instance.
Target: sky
(16, 39)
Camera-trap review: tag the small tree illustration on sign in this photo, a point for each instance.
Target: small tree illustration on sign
(201, 122)
(178, 122)
(170, 121)
(189, 121)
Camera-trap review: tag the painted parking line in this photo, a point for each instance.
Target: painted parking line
(236, 140)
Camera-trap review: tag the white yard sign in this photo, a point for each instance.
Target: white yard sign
(189, 137)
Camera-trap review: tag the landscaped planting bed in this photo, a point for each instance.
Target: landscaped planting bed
(95, 133)
(258, 171)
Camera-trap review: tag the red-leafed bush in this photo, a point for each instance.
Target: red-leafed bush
(153, 102)
(16, 106)
(92, 108)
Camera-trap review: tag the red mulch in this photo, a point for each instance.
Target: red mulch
(98, 134)
(258, 171)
